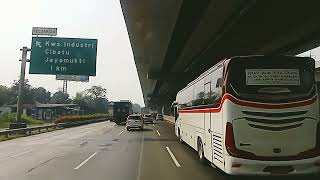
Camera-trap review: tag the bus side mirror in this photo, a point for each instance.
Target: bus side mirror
(174, 108)
(176, 114)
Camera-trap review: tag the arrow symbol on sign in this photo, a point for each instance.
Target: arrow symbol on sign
(38, 43)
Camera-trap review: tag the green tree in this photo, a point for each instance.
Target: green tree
(96, 92)
(4, 95)
(60, 98)
(41, 95)
(92, 100)
(26, 95)
(81, 99)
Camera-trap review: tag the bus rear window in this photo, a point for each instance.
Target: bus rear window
(274, 79)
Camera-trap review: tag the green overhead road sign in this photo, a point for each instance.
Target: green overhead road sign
(66, 56)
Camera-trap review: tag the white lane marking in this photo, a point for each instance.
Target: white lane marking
(22, 153)
(85, 161)
(153, 125)
(173, 157)
(140, 158)
(120, 133)
(158, 132)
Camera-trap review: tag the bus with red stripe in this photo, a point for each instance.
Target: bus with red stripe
(253, 115)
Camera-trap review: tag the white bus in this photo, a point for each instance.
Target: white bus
(253, 115)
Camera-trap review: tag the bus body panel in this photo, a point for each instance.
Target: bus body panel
(258, 129)
(252, 167)
(217, 138)
(191, 124)
(208, 144)
(263, 142)
(257, 167)
(262, 137)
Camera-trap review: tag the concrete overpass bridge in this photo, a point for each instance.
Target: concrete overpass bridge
(174, 41)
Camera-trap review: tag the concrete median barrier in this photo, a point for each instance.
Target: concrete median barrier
(169, 119)
(46, 128)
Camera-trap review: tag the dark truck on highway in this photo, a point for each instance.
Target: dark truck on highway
(121, 110)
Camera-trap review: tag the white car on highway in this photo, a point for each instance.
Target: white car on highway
(134, 121)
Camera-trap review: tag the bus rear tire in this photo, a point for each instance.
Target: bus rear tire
(201, 157)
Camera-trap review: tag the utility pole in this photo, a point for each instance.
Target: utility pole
(24, 61)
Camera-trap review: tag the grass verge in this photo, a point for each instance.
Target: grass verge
(11, 117)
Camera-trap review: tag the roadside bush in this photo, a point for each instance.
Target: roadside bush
(75, 118)
(8, 118)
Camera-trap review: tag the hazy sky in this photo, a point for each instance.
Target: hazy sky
(100, 19)
(315, 53)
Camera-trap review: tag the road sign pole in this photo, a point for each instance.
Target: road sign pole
(21, 82)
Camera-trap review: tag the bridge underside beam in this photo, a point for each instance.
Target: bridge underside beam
(191, 36)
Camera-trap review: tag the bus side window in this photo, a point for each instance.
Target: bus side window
(207, 94)
(199, 93)
(217, 83)
(174, 108)
(189, 95)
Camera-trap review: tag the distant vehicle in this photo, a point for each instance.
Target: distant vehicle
(147, 119)
(134, 121)
(256, 115)
(121, 111)
(159, 117)
(154, 116)
(145, 110)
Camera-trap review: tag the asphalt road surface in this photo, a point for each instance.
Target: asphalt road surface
(104, 151)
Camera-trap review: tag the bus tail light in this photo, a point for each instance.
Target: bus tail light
(236, 165)
(231, 145)
(229, 142)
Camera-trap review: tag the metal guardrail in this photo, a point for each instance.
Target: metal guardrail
(28, 130)
(39, 129)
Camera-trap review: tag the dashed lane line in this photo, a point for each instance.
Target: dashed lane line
(85, 161)
(22, 153)
(120, 133)
(173, 157)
